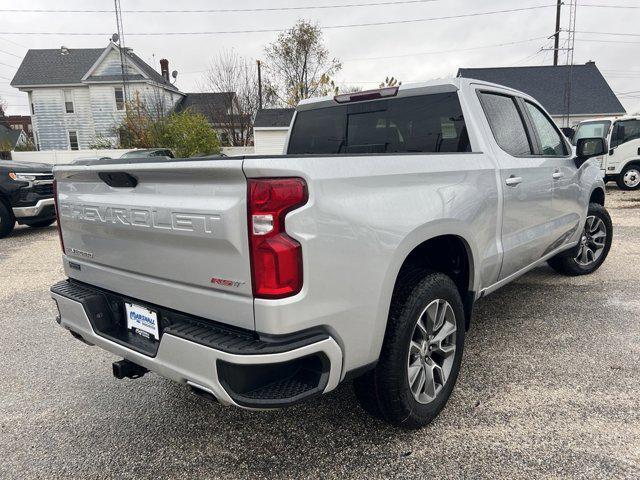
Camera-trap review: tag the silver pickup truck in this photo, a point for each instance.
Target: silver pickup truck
(262, 281)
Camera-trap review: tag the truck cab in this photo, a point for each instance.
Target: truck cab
(621, 163)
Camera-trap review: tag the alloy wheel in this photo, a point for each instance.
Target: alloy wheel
(432, 351)
(592, 241)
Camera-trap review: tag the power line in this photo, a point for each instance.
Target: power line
(223, 10)
(7, 65)
(623, 34)
(608, 6)
(271, 30)
(14, 43)
(416, 54)
(605, 41)
(9, 53)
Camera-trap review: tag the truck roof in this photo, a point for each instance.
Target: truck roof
(610, 119)
(441, 85)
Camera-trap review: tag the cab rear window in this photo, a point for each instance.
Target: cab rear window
(419, 124)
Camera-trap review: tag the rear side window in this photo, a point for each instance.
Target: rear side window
(506, 123)
(551, 142)
(421, 124)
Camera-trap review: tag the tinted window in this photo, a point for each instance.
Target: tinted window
(428, 123)
(506, 123)
(624, 131)
(591, 130)
(551, 141)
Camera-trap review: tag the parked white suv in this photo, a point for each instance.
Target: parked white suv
(263, 281)
(621, 163)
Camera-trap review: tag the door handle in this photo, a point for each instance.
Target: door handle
(513, 181)
(557, 175)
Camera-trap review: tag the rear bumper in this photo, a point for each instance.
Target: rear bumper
(225, 367)
(42, 206)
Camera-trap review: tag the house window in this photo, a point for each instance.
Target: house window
(119, 98)
(68, 101)
(73, 140)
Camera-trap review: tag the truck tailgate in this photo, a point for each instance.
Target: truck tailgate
(178, 238)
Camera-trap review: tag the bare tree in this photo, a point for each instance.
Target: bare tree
(390, 82)
(3, 110)
(299, 65)
(232, 74)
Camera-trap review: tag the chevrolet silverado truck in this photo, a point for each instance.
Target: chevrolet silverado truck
(262, 281)
(26, 195)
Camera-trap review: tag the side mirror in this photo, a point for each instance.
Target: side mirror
(587, 148)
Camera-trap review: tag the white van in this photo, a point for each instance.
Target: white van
(622, 161)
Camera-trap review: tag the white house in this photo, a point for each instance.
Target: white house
(270, 129)
(77, 96)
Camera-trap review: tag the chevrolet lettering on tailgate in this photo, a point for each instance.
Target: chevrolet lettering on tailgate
(141, 217)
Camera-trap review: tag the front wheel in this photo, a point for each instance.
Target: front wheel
(421, 353)
(629, 178)
(7, 222)
(593, 248)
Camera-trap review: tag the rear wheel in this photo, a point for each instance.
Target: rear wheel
(421, 354)
(593, 248)
(629, 178)
(7, 222)
(40, 223)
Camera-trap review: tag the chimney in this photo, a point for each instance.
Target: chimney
(164, 68)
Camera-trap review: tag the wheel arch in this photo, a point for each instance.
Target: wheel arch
(597, 196)
(448, 250)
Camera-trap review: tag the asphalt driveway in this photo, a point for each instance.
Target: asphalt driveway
(550, 387)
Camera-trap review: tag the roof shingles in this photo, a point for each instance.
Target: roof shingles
(274, 118)
(52, 67)
(590, 92)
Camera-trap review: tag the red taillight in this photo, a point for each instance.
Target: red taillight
(276, 258)
(55, 203)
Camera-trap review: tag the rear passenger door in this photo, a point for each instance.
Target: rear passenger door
(526, 181)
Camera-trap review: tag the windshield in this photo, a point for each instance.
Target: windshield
(591, 130)
(427, 123)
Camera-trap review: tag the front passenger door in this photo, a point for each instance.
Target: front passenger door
(526, 181)
(568, 206)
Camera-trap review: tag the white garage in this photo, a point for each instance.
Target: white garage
(270, 129)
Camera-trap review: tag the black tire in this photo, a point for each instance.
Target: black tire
(385, 391)
(7, 222)
(567, 264)
(40, 223)
(633, 168)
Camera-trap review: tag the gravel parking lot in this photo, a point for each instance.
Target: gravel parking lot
(550, 387)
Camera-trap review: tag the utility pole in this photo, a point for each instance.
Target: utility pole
(259, 84)
(556, 43)
(119, 37)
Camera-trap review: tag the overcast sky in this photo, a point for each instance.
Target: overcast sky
(368, 53)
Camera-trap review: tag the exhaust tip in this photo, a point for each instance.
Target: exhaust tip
(126, 369)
